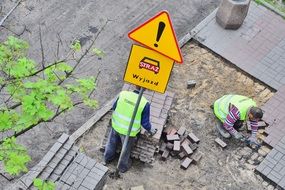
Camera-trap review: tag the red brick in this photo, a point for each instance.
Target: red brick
(187, 149)
(192, 137)
(176, 146)
(186, 162)
(181, 131)
(220, 142)
(173, 131)
(172, 137)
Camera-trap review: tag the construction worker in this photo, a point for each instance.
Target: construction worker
(232, 111)
(122, 113)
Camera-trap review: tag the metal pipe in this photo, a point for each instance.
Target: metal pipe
(123, 151)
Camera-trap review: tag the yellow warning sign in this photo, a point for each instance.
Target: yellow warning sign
(148, 69)
(157, 33)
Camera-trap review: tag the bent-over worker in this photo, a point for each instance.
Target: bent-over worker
(122, 113)
(232, 111)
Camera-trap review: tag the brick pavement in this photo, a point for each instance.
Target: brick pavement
(66, 167)
(274, 115)
(257, 47)
(273, 166)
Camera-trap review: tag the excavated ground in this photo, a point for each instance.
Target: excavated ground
(231, 168)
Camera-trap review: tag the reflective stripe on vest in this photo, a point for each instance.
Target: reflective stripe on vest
(243, 103)
(122, 115)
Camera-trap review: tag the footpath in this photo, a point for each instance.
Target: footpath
(258, 48)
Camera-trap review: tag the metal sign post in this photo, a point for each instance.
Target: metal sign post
(123, 151)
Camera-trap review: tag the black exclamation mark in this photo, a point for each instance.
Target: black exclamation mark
(161, 27)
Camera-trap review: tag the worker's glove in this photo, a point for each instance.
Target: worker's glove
(152, 131)
(238, 136)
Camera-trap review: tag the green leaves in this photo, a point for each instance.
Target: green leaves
(5, 121)
(98, 52)
(34, 94)
(43, 185)
(23, 67)
(14, 156)
(76, 45)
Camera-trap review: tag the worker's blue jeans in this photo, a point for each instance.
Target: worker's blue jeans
(114, 140)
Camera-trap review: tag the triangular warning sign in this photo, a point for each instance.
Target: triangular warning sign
(157, 33)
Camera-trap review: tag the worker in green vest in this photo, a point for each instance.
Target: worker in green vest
(122, 113)
(232, 111)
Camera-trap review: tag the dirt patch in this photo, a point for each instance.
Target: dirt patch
(232, 168)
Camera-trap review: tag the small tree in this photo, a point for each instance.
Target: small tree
(32, 93)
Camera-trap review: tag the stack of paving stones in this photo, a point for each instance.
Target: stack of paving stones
(180, 144)
(66, 167)
(147, 145)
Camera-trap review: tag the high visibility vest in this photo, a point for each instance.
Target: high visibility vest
(222, 106)
(122, 115)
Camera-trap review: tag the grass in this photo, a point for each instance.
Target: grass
(280, 6)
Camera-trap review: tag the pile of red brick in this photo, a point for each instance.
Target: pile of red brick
(180, 144)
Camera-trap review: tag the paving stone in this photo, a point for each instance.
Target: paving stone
(220, 142)
(101, 167)
(187, 149)
(77, 182)
(165, 155)
(90, 164)
(186, 162)
(193, 138)
(254, 156)
(55, 147)
(172, 137)
(191, 84)
(176, 146)
(182, 154)
(92, 181)
(48, 156)
(63, 138)
(181, 131)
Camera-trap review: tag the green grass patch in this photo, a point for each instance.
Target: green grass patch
(280, 6)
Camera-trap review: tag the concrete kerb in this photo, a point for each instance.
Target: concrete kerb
(107, 107)
(203, 24)
(93, 120)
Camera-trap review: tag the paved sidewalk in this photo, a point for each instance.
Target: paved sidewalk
(257, 47)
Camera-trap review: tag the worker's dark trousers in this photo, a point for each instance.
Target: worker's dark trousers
(114, 140)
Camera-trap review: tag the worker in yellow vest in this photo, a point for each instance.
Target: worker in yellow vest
(122, 113)
(232, 111)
